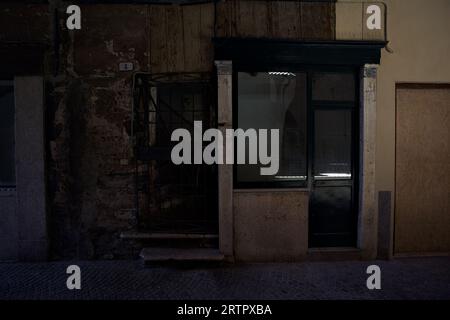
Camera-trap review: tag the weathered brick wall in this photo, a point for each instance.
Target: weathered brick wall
(88, 101)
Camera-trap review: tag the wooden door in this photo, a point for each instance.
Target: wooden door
(422, 171)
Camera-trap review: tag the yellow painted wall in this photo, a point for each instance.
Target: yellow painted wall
(418, 35)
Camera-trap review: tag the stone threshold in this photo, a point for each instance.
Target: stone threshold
(135, 235)
(334, 254)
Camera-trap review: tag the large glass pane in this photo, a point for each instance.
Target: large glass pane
(7, 166)
(332, 145)
(333, 86)
(275, 100)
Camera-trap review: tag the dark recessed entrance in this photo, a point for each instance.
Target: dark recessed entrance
(316, 112)
(334, 157)
(316, 85)
(173, 198)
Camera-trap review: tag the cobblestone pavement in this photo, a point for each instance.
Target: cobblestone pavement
(424, 278)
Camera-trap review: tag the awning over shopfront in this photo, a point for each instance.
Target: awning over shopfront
(281, 52)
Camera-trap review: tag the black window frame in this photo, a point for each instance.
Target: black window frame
(311, 104)
(263, 55)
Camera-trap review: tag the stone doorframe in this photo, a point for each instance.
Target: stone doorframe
(225, 179)
(367, 208)
(367, 214)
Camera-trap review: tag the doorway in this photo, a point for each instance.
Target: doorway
(173, 198)
(317, 113)
(334, 123)
(422, 170)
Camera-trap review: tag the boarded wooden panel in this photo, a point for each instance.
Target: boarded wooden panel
(422, 211)
(251, 18)
(192, 37)
(206, 34)
(158, 39)
(198, 24)
(285, 20)
(317, 20)
(224, 16)
(175, 40)
(180, 36)
(275, 19)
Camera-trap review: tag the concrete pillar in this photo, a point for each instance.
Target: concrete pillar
(367, 224)
(30, 168)
(225, 121)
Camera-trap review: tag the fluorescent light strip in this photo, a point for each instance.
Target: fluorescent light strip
(291, 177)
(334, 175)
(276, 73)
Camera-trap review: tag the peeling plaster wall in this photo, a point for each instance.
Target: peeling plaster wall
(88, 101)
(93, 191)
(88, 109)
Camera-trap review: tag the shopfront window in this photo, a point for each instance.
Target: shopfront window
(314, 112)
(332, 145)
(275, 100)
(333, 98)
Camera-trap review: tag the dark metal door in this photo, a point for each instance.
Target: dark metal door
(334, 159)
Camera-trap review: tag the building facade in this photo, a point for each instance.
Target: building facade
(358, 90)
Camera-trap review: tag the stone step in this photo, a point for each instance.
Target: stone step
(180, 254)
(135, 235)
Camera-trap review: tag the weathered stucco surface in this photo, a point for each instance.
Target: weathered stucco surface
(88, 100)
(270, 225)
(419, 47)
(92, 188)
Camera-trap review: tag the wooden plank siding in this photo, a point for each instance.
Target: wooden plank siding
(158, 39)
(180, 36)
(285, 20)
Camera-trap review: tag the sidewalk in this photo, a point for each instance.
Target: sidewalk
(424, 278)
